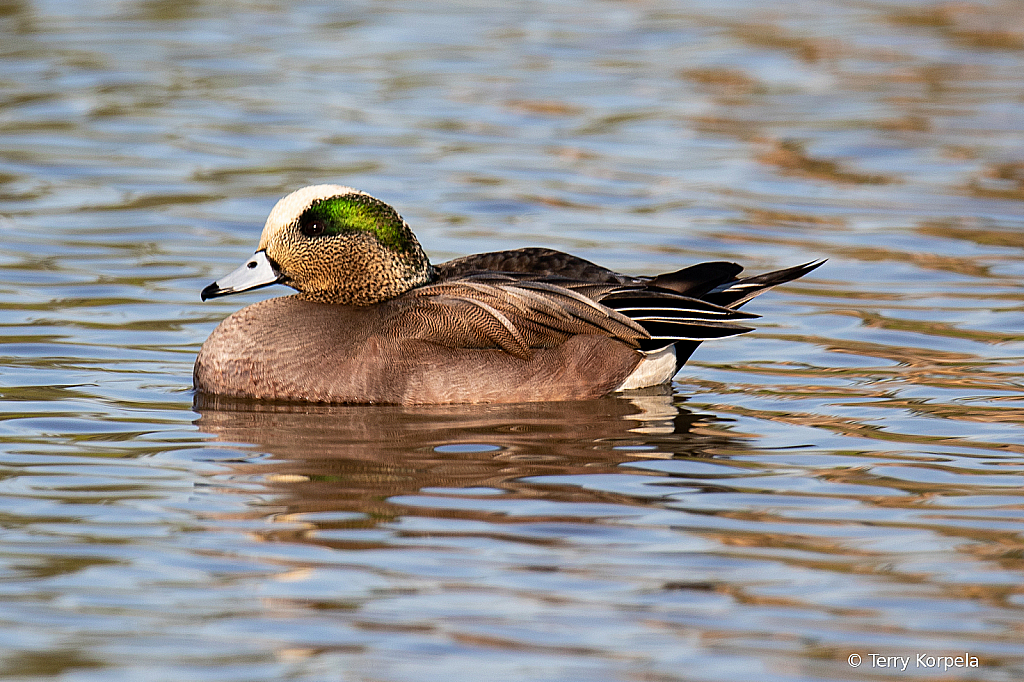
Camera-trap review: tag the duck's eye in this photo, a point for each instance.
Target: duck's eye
(313, 228)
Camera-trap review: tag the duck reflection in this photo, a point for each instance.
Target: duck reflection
(348, 458)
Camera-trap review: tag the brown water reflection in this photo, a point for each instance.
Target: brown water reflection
(356, 458)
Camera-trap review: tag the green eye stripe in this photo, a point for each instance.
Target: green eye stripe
(352, 212)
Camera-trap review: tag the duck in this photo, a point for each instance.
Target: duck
(374, 322)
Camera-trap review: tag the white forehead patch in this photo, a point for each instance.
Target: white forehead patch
(290, 207)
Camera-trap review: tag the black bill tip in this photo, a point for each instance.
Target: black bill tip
(211, 291)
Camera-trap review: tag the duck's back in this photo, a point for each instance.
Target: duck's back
(535, 261)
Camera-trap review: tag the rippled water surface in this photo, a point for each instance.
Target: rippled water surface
(846, 481)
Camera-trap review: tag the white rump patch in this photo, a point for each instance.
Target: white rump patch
(657, 367)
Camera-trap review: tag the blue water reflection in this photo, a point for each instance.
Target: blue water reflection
(845, 480)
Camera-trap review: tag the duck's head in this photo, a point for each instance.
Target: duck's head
(333, 244)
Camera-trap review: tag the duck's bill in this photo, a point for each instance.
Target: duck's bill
(259, 271)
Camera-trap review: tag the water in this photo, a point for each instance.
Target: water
(845, 481)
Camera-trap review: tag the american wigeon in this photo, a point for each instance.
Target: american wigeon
(375, 322)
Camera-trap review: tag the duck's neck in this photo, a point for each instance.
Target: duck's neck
(378, 282)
